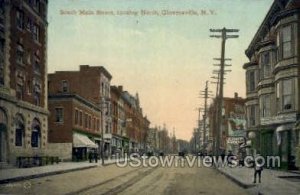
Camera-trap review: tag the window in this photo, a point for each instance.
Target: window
(20, 54)
(20, 91)
(36, 134)
(20, 131)
(37, 66)
(65, 86)
(106, 128)
(278, 96)
(94, 123)
(265, 105)
(85, 120)
(287, 94)
(251, 80)
(76, 117)
(265, 63)
(252, 115)
(29, 87)
(59, 116)
(80, 118)
(90, 122)
(287, 42)
(29, 25)
(37, 95)
(2, 8)
(36, 5)
(36, 32)
(98, 124)
(102, 89)
(20, 19)
(2, 42)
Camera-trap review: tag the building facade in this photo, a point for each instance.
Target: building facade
(137, 125)
(23, 79)
(233, 128)
(272, 83)
(92, 83)
(119, 136)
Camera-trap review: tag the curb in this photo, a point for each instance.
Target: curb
(235, 180)
(20, 178)
(38, 175)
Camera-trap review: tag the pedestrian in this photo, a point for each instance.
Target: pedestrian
(258, 167)
(96, 156)
(90, 155)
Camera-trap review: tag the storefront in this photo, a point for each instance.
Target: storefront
(81, 146)
(286, 141)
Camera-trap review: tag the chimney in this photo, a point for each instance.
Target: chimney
(84, 67)
(120, 87)
(236, 95)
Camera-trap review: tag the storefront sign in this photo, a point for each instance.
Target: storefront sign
(235, 140)
(278, 119)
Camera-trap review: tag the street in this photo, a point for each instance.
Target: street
(129, 180)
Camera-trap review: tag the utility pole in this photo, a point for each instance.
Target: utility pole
(206, 95)
(197, 130)
(223, 36)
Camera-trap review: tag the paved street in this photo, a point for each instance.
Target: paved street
(128, 180)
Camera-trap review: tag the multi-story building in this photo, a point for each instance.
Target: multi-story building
(91, 83)
(74, 122)
(23, 78)
(119, 136)
(137, 125)
(272, 82)
(152, 139)
(233, 130)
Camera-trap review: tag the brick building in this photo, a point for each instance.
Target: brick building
(119, 136)
(233, 127)
(23, 78)
(272, 81)
(76, 121)
(137, 125)
(91, 84)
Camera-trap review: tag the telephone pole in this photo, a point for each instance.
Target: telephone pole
(206, 95)
(197, 133)
(224, 36)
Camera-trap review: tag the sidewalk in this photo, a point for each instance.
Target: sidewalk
(273, 182)
(18, 174)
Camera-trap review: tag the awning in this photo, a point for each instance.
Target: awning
(285, 127)
(83, 141)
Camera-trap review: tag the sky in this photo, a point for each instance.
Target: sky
(166, 59)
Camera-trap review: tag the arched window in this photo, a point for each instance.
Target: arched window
(36, 133)
(20, 130)
(3, 134)
(3, 118)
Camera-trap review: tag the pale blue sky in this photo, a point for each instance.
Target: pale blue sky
(166, 59)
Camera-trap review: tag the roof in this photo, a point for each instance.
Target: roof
(275, 8)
